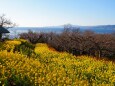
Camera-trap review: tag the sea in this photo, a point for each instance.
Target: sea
(14, 32)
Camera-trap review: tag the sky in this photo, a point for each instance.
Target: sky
(41, 13)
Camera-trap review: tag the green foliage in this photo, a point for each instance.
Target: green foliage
(25, 48)
(1, 46)
(18, 45)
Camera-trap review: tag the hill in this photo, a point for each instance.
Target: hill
(45, 66)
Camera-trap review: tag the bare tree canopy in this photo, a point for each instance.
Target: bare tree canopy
(7, 23)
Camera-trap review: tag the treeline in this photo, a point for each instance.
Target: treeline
(74, 41)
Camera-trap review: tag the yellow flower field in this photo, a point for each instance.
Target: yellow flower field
(51, 68)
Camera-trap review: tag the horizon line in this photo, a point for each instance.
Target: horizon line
(67, 24)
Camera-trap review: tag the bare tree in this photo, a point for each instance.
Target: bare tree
(7, 23)
(74, 41)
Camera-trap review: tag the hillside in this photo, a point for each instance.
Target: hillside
(47, 67)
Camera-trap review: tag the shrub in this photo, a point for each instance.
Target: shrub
(31, 36)
(18, 45)
(10, 45)
(25, 48)
(17, 69)
(83, 43)
(1, 46)
(34, 37)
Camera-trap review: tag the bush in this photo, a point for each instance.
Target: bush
(83, 43)
(31, 36)
(1, 46)
(25, 48)
(10, 45)
(18, 45)
(17, 70)
(34, 37)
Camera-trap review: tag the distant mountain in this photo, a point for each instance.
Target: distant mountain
(98, 28)
(87, 27)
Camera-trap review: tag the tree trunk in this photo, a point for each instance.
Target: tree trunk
(99, 53)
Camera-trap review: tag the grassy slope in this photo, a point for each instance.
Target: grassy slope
(52, 68)
(66, 66)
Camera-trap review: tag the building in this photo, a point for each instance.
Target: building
(2, 31)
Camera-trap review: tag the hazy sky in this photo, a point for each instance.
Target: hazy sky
(59, 12)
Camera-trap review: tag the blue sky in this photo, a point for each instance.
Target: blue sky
(36, 13)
